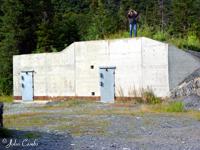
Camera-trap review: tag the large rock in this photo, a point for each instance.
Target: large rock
(1, 114)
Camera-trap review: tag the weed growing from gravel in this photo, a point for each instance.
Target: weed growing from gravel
(150, 98)
(174, 107)
(165, 107)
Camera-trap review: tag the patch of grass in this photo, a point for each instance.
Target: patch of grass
(190, 42)
(51, 107)
(116, 111)
(31, 135)
(171, 107)
(174, 107)
(83, 126)
(6, 99)
(120, 34)
(73, 103)
(66, 104)
(20, 121)
(5, 133)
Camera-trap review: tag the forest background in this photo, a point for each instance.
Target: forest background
(36, 26)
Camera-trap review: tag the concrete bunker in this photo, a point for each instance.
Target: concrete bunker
(76, 71)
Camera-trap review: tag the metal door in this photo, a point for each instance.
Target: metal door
(107, 84)
(27, 85)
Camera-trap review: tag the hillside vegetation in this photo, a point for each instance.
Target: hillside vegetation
(34, 26)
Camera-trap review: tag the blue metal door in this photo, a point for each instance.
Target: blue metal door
(27, 85)
(107, 84)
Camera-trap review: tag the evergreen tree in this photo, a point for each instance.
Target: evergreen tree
(10, 37)
(45, 26)
(185, 16)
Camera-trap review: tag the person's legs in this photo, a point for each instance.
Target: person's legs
(131, 29)
(135, 29)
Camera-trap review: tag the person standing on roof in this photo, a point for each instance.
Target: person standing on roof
(132, 18)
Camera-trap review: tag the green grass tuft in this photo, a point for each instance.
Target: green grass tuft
(31, 135)
(175, 107)
(6, 99)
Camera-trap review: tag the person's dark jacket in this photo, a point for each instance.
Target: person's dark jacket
(133, 18)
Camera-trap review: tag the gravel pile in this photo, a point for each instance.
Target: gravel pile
(189, 86)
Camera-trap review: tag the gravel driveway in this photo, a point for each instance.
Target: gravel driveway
(96, 126)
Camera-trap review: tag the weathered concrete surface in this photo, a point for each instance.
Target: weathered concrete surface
(139, 62)
(134, 60)
(53, 73)
(181, 65)
(155, 66)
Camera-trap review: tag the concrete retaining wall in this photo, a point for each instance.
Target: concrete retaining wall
(139, 62)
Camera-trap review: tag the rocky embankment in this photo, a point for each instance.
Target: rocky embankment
(188, 91)
(190, 86)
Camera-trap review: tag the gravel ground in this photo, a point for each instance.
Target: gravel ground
(46, 141)
(145, 131)
(191, 102)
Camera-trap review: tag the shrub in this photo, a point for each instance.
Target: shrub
(192, 42)
(148, 96)
(145, 31)
(161, 36)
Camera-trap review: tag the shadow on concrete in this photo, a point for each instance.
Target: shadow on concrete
(33, 140)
